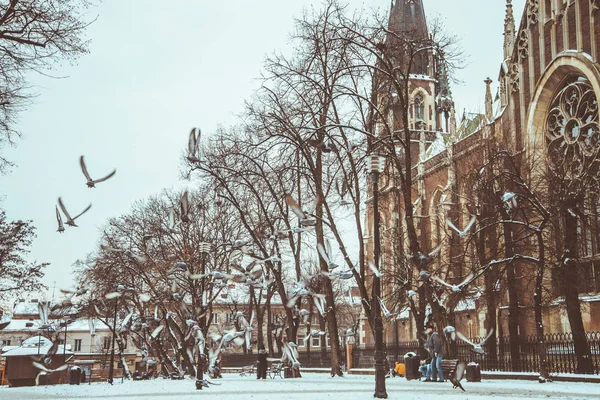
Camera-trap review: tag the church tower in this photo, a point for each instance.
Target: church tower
(430, 97)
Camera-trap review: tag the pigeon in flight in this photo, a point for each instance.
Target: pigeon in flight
(375, 270)
(459, 373)
(193, 151)
(450, 332)
(48, 370)
(61, 226)
(477, 347)
(184, 205)
(91, 183)
(467, 228)
(384, 309)
(325, 253)
(455, 288)
(304, 218)
(71, 221)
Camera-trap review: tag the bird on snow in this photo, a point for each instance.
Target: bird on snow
(477, 347)
(459, 373)
(455, 288)
(91, 183)
(71, 221)
(61, 226)
(304, 218)
(465, 231)
(325, 253)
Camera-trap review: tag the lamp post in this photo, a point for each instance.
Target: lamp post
(204, 250)
(111, 367)
(376, 164)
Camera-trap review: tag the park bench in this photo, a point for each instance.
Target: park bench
(448, 367)
(275, 370)
(248, 370)
(101, 375)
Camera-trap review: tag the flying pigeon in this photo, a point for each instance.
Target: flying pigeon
(450, 332)
(465, 231)
(455, 288)
(477, 347)
(384, 309)
(459, 373)
(90, 182)
(48, 370)
(61, 226)
(71, 221)
(375, 270)
(304, 218)
(193, 152)
(184, 205)
(325, 253)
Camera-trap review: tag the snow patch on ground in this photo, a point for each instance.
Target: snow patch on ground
(311, 386)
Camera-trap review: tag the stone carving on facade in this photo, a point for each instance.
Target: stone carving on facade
(523, 44)
(515, 83)
(533, 9)
(573, 131)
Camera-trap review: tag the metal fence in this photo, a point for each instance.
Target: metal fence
(559, 349)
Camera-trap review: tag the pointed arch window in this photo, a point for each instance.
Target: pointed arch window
(419, 110)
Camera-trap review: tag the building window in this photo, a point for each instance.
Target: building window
(301, 341)
(315, 341)
(6, 342)
(419, 105)
(106, 343)
(215, 318)
(229, 318)
(77, 345)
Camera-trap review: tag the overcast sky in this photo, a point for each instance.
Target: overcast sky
(155, 71)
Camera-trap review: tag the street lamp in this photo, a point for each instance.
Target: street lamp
(376, 164)
(111, 367)
(204, 248)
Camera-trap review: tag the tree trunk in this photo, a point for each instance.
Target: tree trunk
(570, 280)
(544, 372)
(513, 296)
(490, 278)
(336, 357)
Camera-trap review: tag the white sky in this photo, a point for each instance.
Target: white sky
(154, 71)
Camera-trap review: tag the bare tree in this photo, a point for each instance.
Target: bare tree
(17, 275)
(35, 35)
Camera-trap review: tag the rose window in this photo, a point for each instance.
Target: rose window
(573, 133)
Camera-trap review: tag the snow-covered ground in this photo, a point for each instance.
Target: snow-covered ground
(310, 386)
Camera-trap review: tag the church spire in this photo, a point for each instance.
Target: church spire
(408, 16)
(509, 30)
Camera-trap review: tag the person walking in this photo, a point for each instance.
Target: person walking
(436, 351)
(261, 370)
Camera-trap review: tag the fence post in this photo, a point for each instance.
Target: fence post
(348, 357)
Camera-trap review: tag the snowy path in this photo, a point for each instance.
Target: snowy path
(311, 386)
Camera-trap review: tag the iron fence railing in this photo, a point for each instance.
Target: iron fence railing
(559, 350)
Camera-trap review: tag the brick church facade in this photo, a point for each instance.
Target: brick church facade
(545, 107)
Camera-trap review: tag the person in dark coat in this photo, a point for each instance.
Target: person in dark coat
(261, 370)
(436, 352)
